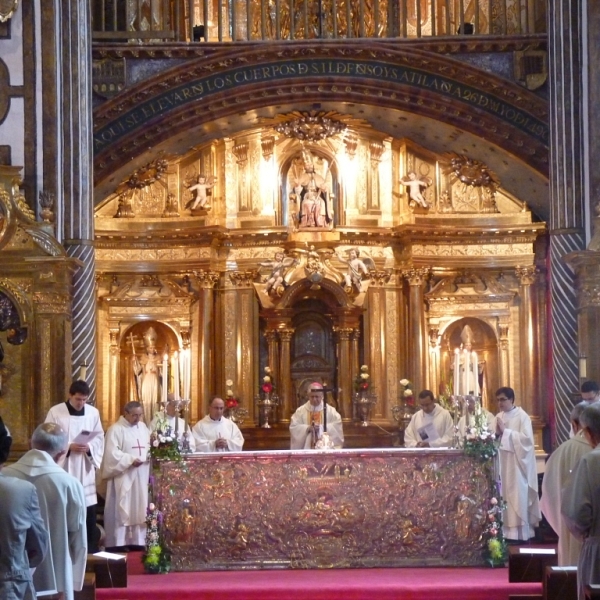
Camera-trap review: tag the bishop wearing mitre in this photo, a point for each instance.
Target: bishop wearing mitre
(314, 418)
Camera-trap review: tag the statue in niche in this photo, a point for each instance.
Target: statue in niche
(311, 196)
(201, 190)
(147, 375)
(415, 186)
(275, 283)
(357, 269)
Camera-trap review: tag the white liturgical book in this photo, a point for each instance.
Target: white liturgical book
(428, 433)
(85, 437)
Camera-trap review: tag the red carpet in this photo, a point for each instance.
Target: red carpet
(351, 584)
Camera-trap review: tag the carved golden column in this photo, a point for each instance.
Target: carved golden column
(285, 378)
(345, 382)
(434, 359)
(240, 365)
(527, 361)
(112, 412)
(202, 369)
(503, 345)
(417, 341)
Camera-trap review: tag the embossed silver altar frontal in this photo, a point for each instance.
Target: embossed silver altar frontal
(307, 509)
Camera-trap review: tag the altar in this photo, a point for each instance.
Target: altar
(309, 509)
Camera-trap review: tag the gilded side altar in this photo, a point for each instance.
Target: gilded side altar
(306, 509)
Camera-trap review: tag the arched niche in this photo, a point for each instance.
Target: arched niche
(292, 169)
(485, 344)
(134, 340)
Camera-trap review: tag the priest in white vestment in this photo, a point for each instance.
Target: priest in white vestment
(581, 503)
(62, 505)
(216, 433)
(170, 418)
(518, 473)
(83, 456)
(557, 476)
(126, 468)
(430, 427)
(310, 421)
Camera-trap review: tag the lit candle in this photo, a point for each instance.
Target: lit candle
(165, 377)
(456, 372)
(176, 375)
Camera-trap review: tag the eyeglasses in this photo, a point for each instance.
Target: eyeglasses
(502, 399)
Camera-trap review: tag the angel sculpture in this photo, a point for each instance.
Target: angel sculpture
(414, 186)
(357, 268)
(279, 265)
(202, 189)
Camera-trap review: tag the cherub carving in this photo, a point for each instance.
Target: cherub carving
(357, 269)
(279, 265)
(415, 185)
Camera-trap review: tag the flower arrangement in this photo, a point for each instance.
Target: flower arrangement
(479, 441)
(406, 392)
(267, 384)
(156, 559)
(231, 402)
(362, 383)
(495, 550)
(163, 443)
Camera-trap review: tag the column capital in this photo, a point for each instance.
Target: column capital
(344, 333)
(526, 275)
(206, 279)
(416, 276)
(243, 278)
(286, 333)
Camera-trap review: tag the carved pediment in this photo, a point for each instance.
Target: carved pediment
(149, 289)
(467, 286)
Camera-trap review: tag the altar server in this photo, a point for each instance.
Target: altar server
(215, 433)
(127, 469)
(84, 455)
(430, 427)
(62, 504)
(581, 503)
(170, 418)
(557, 476)
(310, 421)
(518, 472)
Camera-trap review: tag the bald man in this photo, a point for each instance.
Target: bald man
(310, 421)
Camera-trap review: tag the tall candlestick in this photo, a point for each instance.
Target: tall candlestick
(465, 373)
(186, 374)
(324, 414)
(165, 378)
(475, 373)
(176, 375)
(456, 372)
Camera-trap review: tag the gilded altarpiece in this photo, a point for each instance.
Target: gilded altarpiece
(344, 509)
(383, 234)
(35, 312)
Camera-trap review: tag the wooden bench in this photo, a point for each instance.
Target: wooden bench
(109, 573)
(526, 564)
(560, 583)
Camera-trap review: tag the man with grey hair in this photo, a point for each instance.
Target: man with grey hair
(127, 470)
(557, 476)
(23, 536)
(581, 502)
(62, 504)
